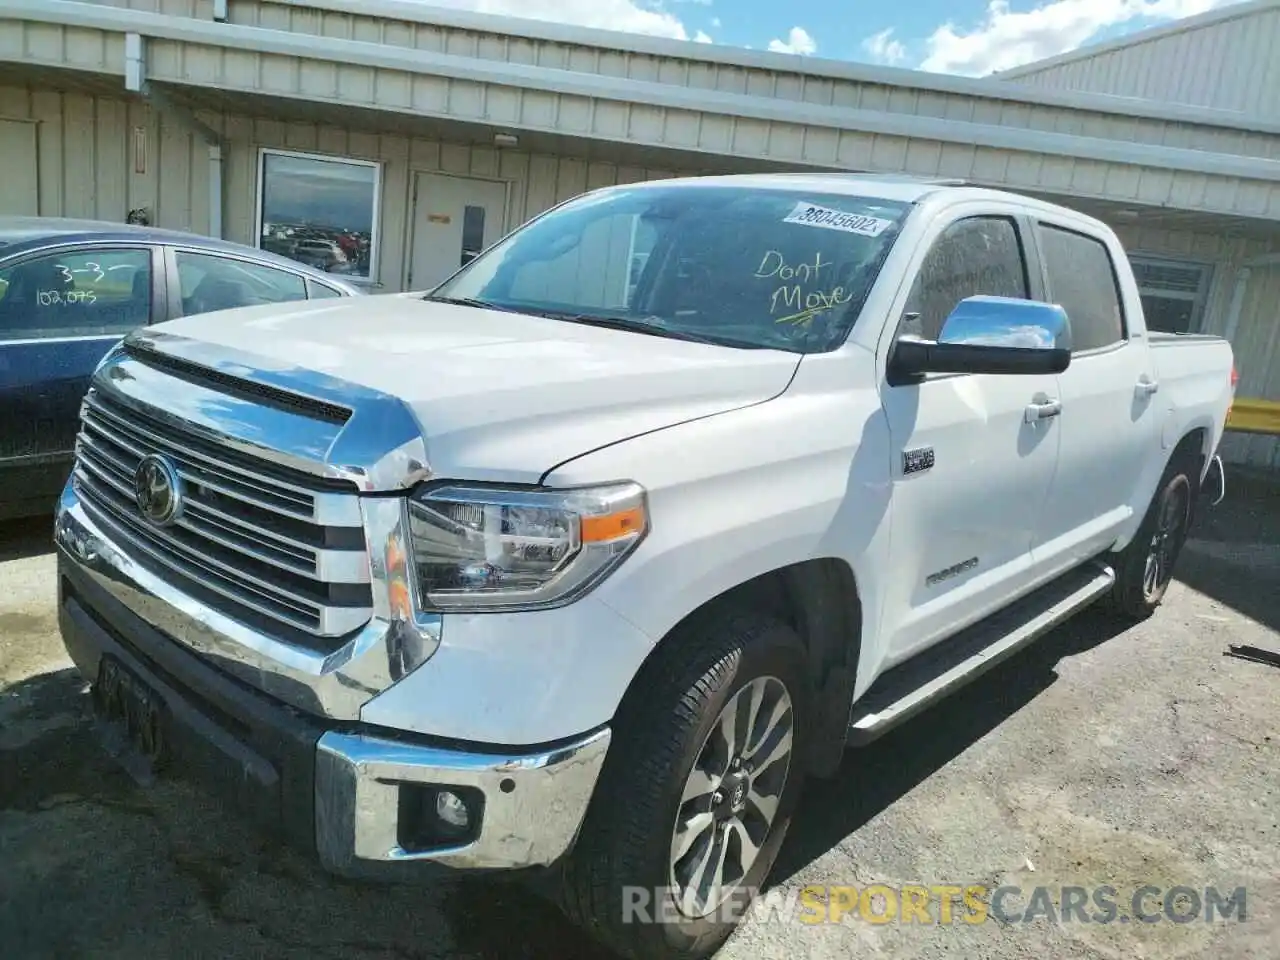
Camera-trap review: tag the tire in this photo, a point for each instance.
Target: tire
(1144, 568)
(619, 883)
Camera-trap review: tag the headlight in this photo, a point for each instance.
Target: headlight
(485, 548)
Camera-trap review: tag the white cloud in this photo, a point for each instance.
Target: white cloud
(702, 37)
(715, 22)
(1006, 39)
(882, 48)
(798, 41)
(626, 15)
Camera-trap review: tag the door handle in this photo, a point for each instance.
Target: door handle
(1147, 386)
(1043, 410)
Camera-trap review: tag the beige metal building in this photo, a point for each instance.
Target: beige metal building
(395, 139)
(1225, 58)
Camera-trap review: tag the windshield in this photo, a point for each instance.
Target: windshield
(743, 266)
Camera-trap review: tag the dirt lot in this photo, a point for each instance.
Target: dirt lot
(1097, 757)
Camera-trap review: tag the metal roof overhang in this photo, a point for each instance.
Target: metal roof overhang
(229, 67)
(454, 19)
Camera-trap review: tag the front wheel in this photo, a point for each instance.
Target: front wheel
(1144, 569)
(694, 802)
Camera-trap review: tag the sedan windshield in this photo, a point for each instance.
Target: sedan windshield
(741, 266)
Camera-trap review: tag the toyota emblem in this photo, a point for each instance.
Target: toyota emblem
(158, 490)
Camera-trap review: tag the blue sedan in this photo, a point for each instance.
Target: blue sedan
(70, 289)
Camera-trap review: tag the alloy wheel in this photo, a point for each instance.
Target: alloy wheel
(1166, 540)
(730, 799)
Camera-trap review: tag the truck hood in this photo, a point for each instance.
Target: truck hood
(500, 396)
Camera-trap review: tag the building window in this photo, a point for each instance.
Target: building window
(1173, 293)
(321, 211)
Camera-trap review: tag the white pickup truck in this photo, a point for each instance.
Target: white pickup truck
(581, 563)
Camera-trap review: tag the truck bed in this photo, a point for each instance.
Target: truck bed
(1194, 371)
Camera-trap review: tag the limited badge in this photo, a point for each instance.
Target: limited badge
(918, 460)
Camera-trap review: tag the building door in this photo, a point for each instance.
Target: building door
(454, 218)
(19, 193)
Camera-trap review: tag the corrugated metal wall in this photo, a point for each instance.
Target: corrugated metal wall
(101, 157)
(1225, 254)
(1256, 339)
(701, 74)
(1231, 65)
(775, 134)
(1257, 348)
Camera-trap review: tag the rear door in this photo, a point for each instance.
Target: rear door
(61, 310)
(1109, 396)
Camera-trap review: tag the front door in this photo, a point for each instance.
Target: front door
(60, 313)
(971, 470)
(454, 218)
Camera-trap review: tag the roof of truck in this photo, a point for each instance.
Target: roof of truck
(888, 186)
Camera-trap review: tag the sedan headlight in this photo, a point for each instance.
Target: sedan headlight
(487, 548)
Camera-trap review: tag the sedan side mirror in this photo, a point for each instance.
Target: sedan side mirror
(989, 335)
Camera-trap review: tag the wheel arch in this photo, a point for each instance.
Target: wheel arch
(819, 600)
(1194, 449)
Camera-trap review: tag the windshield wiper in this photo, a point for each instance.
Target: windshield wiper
(653, 329)
(471, 302)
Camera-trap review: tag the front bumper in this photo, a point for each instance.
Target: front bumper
(359, 798)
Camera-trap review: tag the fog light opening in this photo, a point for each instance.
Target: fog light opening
(434, 816)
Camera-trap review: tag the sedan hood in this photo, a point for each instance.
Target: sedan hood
(501, 396)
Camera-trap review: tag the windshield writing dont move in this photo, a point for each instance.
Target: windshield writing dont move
(740, 265)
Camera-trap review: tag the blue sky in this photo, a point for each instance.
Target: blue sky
(971, 37)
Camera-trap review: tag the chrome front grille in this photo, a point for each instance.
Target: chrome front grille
(282, 551)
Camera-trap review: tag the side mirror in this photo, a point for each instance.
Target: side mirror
(989, 335)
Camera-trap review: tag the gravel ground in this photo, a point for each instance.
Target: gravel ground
(1099, 756)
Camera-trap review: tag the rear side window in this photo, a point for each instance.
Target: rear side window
(1082, 280)
(977, 256)
(209, 282)
(321, 291)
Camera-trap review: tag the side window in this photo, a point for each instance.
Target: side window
(75, 294)
(978, 256)
(1082, 280)
(595, 272)
(644, 236)
(208, 282)
(320, 291)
